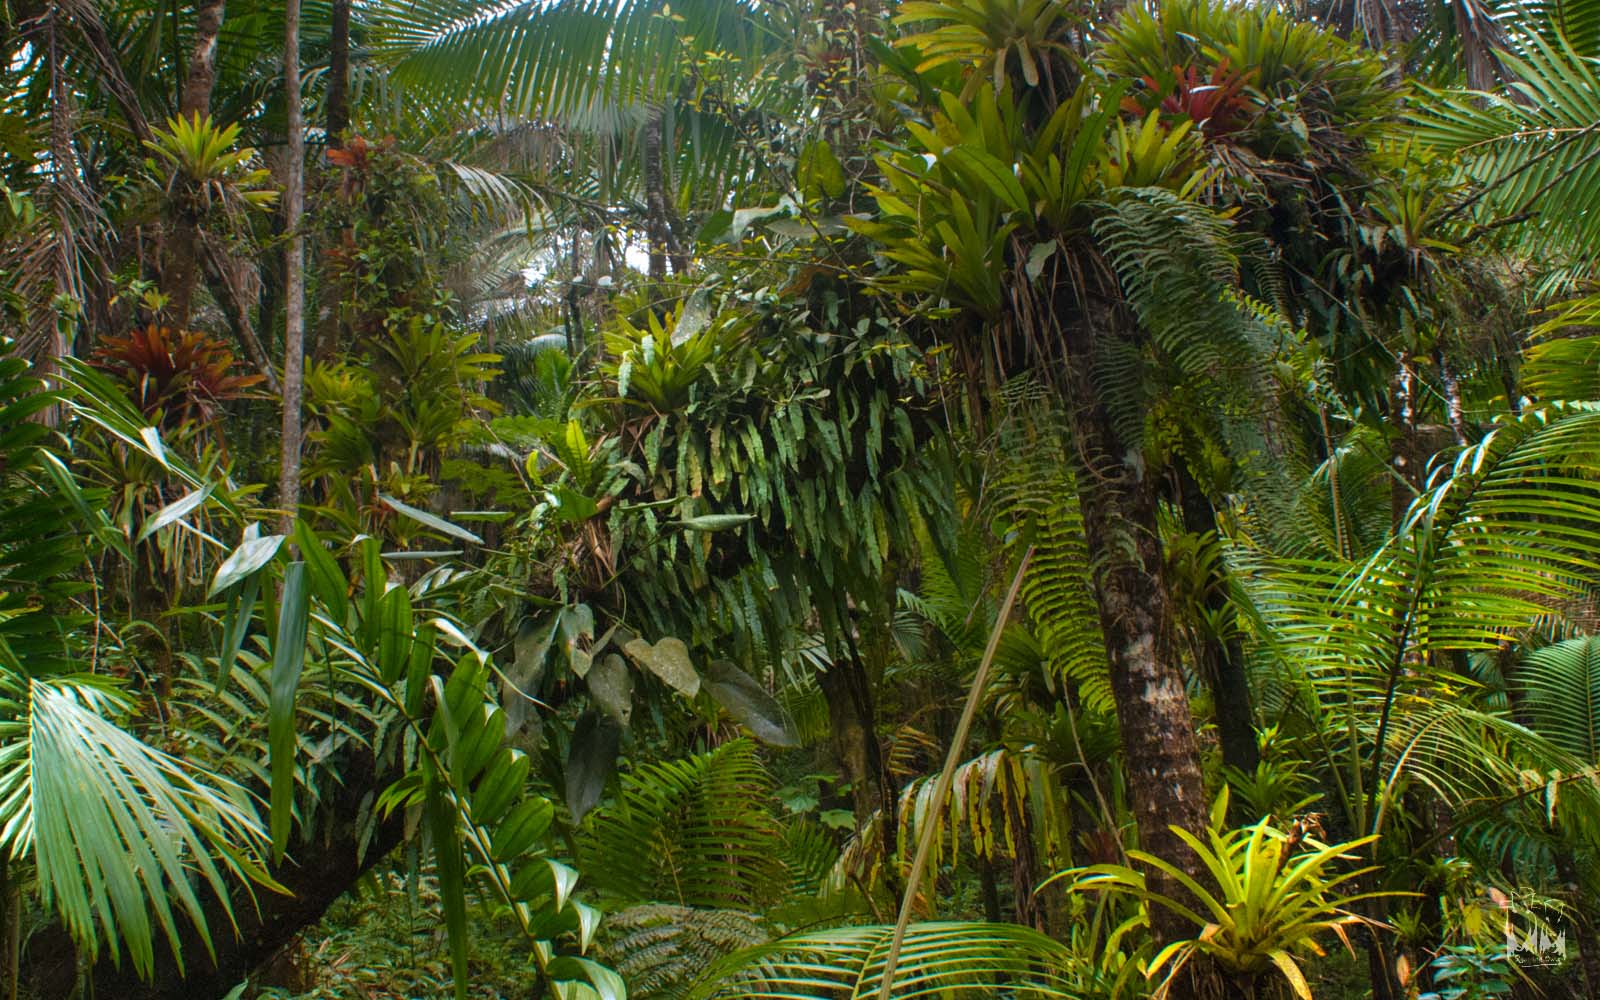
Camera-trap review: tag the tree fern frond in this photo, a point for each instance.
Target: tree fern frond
(660, 949)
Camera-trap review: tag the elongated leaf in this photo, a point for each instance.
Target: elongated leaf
(288, 658)
(174, 511)
(328, 581)
(251, 555)
(712, 522)
(428, 520)
(235, 626)
(452, 874)
(119, 831)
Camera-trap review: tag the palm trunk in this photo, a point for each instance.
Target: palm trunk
(655, 198)
(1119, 505)
(294, 333)
(202, 75)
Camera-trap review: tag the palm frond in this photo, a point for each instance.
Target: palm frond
(1531, 153)
(1558, 687)
(696, 831)
(954, 960)
(120, 831)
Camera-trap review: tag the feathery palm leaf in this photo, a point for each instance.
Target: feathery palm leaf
(955, 960)
(695, 831)
(1534, 151)
(119, 830)
(1559, 689)
(1507, 533)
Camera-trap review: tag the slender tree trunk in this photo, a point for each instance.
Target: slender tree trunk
(202, 76)
(181, 267)
(1405, 454)
(294, 332)
(325, 336)
(658, 207)
(655, 197)
(1119, 504)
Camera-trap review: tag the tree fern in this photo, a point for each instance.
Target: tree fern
(1036, 495)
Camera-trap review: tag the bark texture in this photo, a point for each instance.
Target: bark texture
(1119, 500)
(1220, 659)
(294, 333)
(853, 719)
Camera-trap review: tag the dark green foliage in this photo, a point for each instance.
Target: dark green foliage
(660, 949)
(698, 832)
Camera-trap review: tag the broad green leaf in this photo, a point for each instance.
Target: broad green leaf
(611, 686)
(749, 704)
(328, 581)
(669, 660)
(442, 827)
(522, 828)
(394, 634)
(591, 760)
(606, 983)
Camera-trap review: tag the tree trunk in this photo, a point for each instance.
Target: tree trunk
(1220, 660)
(851, 715)
(658, 210)
(655, 199)
(1119, 504)
(180, 268)
(1405, 454)
(202, 76)
(339, 75)
(294, 332)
